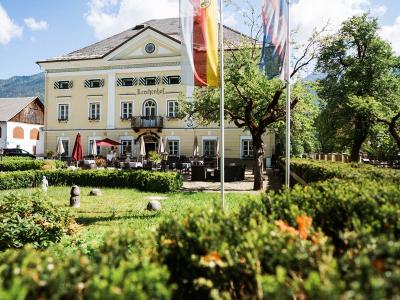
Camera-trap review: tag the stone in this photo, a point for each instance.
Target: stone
(75, 191)
(75, 199)
(154, 205)
(95, 192)
(45, 184)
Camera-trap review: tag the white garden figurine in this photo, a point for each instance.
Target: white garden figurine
(45, 184)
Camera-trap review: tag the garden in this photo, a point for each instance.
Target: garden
(336, 238)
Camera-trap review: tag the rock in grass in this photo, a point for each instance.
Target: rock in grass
(154, 205)
(95, 192)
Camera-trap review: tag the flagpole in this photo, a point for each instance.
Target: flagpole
(288, 112)
(222, 104)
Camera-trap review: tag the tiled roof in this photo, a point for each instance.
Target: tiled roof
(10, 107)
(169, 27)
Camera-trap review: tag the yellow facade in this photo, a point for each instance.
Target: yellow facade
(127, 61)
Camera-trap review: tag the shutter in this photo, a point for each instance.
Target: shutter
(165, 80)
(119, 82)
(70, 84)
(56, 85)
(142, 81)
(87, 83)
(157, 80)
(180, 79)
(135, 81)
(101, 82)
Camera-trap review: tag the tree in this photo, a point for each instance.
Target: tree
(252, 101)
(357, 63)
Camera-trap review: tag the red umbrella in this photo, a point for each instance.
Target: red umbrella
(107, 143)
(77, 153)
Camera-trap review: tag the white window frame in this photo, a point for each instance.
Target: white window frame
(173, 76)
(125, 78)
(67, 149)
(64, 81)
(207, 138)
(90, 139)
(242, 139)
(122, 109)
(97, 110)
(144, 106)
(175, 108)
(59, 111)
(126, 138)
(91, 81)
(174, 138)
(150, 77)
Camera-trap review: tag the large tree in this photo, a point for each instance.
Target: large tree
(252, 101)
(357, 63)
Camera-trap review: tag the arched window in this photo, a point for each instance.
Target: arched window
(34, 134)
(149, 108)
(18, 133)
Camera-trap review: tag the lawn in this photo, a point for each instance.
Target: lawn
(119, 208)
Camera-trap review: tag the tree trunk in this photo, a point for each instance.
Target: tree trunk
(395, 134)
(258, 156)
(360, 135)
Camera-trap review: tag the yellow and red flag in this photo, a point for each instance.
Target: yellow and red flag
(199, 29)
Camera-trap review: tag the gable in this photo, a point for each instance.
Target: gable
(33, 113)
(136, 47)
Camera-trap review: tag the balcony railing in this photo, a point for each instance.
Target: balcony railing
(144, 122)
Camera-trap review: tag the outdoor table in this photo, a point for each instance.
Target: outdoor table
(135, 164)
(186, 167)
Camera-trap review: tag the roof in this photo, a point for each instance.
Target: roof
(10, 107)
(168, 27)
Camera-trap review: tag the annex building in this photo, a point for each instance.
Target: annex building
(128, 86)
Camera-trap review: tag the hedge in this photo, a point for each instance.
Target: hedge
(312, 171)
(11, 165)
(143, 180)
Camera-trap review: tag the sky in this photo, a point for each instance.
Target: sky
(31, 30)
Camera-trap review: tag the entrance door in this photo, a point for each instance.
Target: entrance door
(149, 112)
(150, 147)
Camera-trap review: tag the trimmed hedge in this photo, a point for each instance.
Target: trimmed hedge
(11, 165)
(312, 171)
(143, 180)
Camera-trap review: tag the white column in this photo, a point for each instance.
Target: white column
(111, 102)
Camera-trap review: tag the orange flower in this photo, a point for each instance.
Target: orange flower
(285, 227)
(303, 225)
(212, 259)
(379, 265)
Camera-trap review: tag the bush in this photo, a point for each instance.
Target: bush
(23, 164)
(30, 219)
(143, 180)
(337, 206)
(29, 274)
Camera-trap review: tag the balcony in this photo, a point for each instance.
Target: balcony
(147, 122)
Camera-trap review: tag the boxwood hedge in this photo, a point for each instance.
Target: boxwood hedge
(23, 164)
(142, 180)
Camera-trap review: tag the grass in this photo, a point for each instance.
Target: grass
(121, 208)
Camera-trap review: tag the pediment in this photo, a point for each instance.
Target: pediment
(136, 47)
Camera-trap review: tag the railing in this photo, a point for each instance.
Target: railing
(140, 122)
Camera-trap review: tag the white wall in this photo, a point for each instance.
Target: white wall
(26, 143)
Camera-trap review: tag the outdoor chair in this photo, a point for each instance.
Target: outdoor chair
(198, 173)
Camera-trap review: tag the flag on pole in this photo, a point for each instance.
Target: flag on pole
(275, 27)
(199, 31)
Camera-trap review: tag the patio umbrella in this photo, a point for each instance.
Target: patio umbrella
(217, 151)
(77, 153)
(60, 148)
(161, 147)
(142, 148)
(107, 143)
(196, 151)
(93, 149)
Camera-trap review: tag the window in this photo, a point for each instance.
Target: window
(209, 147)
(94, 111)
(94, 83)
(173, 79)
(34, 134)
(172, 109)
(91, 144)
(63, 85)
(127, 82)
(63, 112)
(18, 133)
(65, 144)
(126, 147)
(150, 80)
(173, 147)
(126, 110)
(247, 148)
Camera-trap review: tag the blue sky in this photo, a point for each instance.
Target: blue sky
(31, 30)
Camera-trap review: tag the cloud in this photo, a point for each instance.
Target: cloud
(108, 17)
(230, 20)
(8, 29)
(310, 14)
(35, 25)
(391, 33)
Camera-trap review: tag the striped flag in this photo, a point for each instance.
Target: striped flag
(275, 25)
(199, 31)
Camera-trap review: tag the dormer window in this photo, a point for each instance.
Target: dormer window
(94, 83)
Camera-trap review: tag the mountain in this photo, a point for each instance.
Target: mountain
(23, 86)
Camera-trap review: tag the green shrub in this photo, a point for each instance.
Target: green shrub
(337, 206)
(22, 164)
(142, 180)
(30, 219)
(30, 274)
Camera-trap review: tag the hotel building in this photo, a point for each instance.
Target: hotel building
(128, 86)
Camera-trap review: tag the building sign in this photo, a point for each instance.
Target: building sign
(151, 91)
